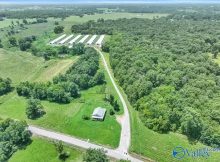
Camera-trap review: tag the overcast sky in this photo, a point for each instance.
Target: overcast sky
(107, 1)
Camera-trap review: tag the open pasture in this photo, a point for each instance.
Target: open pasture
(22, 66)
(8, 22)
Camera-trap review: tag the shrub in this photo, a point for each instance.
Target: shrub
(111, 112)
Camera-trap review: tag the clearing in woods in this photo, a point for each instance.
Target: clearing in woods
(22, 66)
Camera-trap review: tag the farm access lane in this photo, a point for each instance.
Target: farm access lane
(125, 138)
(121, 152)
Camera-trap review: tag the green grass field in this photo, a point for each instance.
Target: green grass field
(7, 22)
(42, 150)
(157, 146)
(22, 66)
(42, 30)
(65, 118)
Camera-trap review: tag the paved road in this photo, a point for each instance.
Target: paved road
(80, 143)
(121, 152)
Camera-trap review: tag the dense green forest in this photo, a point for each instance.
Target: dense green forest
(165, 67)
(82, 75)
(13, 136)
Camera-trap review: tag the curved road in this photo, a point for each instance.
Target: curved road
(121, 152)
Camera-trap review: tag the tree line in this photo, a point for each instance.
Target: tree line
(49, 12)
(23, 43)
(5, 86)
(82, 75)
(167, 70)
(49, 52)
(13, 136)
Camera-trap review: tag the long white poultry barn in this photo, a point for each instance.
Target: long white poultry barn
(57, 39)
(74, 40)
(83, 39)
(66, 39)
(100, 40)
(91, 40)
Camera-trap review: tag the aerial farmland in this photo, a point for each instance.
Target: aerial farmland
(109, 82)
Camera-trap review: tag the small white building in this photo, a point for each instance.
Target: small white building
(99, 113)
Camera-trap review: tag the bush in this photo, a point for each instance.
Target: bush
(116, 106)
(12, 41)
(105, 47)
(58, 29)
(5, 86)
(25, 43)
(62, 154)
(34, 109)
(95, 155)
(111, 112)
(99, 78)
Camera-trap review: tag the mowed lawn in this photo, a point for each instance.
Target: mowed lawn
(65, 118)
(158, 146)
(42, 150)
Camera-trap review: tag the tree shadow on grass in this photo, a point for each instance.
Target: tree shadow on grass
(24, 145)
(192, 141)
(41, 114)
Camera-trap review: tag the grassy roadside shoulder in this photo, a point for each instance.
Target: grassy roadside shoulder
(158, 147)
(44, 150)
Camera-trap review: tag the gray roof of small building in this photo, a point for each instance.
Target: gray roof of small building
(99, 113)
